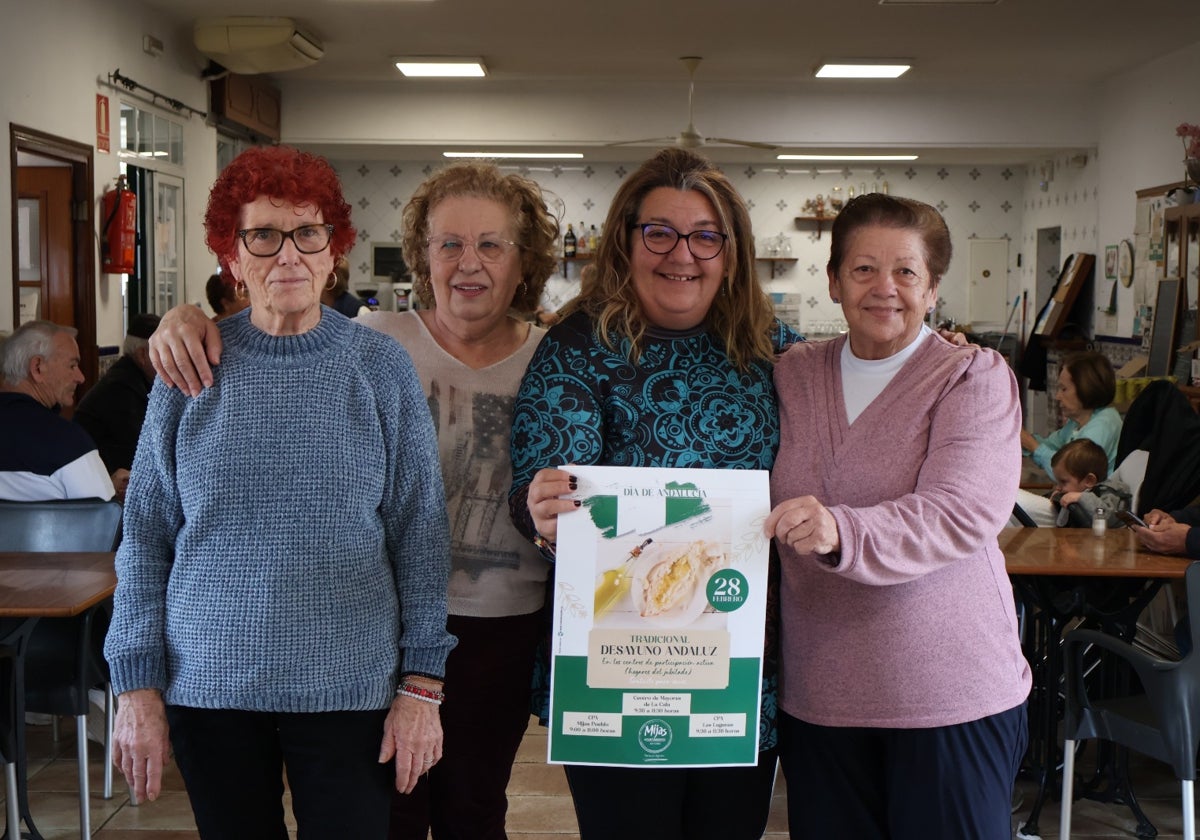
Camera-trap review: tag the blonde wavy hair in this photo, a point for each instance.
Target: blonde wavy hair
(537, 229)
(741, 315)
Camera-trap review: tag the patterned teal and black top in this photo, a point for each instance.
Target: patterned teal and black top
(682, 404)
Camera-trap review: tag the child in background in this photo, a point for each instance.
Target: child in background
(1080, 469)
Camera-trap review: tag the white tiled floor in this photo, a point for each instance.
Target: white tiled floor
(539, 804)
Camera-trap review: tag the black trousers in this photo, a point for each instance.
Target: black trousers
(944, 783)
(710, 803)
(484, 718)
(232, 763)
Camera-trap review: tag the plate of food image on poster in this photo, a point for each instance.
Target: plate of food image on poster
(659, 607)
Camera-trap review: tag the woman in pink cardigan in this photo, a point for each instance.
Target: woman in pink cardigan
(903, 686)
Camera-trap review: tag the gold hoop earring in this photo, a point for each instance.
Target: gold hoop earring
(239, 289)
(332, 282)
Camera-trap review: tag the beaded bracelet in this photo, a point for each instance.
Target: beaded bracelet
(545, 546)
(417, 692)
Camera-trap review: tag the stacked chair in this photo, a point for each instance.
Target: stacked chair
(64, 656)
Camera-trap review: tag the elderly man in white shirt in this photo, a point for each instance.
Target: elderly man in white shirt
(42, 455)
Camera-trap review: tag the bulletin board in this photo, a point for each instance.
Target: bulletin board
(1165, 336)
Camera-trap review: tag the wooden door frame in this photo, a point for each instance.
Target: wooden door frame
(80, 158)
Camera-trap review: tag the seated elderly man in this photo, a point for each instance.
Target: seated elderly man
(113, 410)
(42, 455)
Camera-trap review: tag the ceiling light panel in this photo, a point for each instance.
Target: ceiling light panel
(437, 67)
(855, 69)
(827, 157)
(522, 155)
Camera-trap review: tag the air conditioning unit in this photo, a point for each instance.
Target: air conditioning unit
(250, 45)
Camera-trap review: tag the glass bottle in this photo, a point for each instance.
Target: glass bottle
(582, 242)
(569, 242)
(1099, 522)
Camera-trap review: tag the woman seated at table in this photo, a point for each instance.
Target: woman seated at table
(1086, 387)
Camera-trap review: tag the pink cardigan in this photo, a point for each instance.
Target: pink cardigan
(915, 627)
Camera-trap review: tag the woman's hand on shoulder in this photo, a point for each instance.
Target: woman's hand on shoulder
(545, 502)
(804, 525)
(183, 347)
(954, 337)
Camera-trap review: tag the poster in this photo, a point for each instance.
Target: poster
(659, 608)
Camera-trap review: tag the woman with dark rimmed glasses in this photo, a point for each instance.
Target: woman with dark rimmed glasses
(671, 338)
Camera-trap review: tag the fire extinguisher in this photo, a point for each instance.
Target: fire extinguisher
(118, 237)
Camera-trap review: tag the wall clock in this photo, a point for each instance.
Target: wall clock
(1125, 263)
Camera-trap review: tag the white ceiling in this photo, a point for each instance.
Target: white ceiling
(548, 48)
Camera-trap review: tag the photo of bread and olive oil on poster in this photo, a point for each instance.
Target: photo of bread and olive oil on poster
(659, 606)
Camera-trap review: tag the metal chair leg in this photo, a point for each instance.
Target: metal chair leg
(1189, 808)
(1068, 790)
(10, 800)
(109, 704)
(85, 812)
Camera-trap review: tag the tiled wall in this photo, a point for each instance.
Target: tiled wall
(977, 201)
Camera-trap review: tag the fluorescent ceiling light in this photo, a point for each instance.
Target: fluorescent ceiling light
(863, 69)
(526, 155)
(846, 157)
(446, 67)
(939, 2)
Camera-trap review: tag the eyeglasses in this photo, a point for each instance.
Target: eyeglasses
(662, 239)
(267, 242)
(490, 249)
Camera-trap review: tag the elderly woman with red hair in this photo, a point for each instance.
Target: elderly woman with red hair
(281, 599)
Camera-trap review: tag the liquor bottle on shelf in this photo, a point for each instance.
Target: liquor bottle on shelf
(582, 249)
(569, 242)
(593, 240)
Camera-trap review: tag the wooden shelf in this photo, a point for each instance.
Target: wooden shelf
(566, 261)
(818, 220)
(775, 261)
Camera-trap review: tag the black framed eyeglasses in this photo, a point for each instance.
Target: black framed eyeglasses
(662, 239)
(267, 242)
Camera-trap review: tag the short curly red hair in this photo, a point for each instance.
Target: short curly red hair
(281, 173)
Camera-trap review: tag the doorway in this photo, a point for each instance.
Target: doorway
(53, 252)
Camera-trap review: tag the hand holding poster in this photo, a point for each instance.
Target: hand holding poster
(660, 603)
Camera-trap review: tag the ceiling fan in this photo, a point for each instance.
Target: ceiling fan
(689, 138)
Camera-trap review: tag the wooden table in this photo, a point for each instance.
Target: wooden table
(1038, 560)
(37, 585)
(1078, 552)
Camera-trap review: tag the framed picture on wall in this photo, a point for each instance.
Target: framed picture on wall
(1110, 262)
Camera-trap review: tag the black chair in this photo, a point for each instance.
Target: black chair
(64, 656)
(1163, 723)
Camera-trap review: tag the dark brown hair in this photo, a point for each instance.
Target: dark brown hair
(1080, 457)
(895, 212)
(1094, 378)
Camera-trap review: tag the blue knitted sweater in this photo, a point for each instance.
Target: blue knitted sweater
(286, 540)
